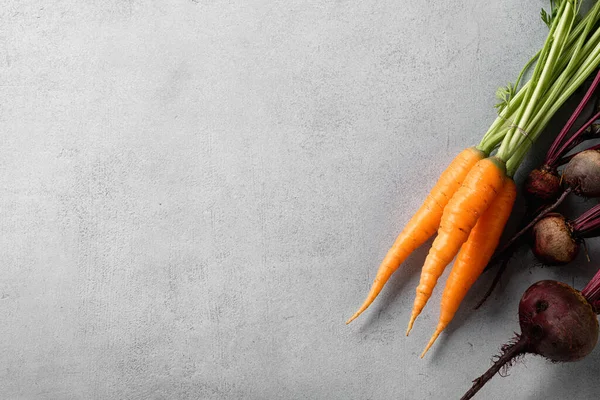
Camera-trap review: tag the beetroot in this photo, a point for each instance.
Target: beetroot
(542, 185)
(556, 240)
(557, 322)
(553, 240)
(582, 173)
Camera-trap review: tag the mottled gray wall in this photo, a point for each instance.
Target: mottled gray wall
(195, 195)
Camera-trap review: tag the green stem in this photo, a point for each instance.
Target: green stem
(565, 25)
(556, 41)
(586, 54)
(584, 60)
(526, 68)
(544, 118)
(490, 139)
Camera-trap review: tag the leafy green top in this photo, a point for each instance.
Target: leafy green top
(570, 53)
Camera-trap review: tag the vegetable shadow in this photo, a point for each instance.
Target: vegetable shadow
(396, 287)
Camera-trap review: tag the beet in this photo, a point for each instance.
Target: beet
(556, 321)
(553, 240)
(582, 173)
(582, 177)
(556, 241)
(542, 185)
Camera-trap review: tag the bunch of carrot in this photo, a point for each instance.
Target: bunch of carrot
(473, 198)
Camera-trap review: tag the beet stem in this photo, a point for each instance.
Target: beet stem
(508, 354)
(591, 291)
(574, 140)
(494, 282)
(587, 224)
(500, 254)
(552, 154)
(534, 221)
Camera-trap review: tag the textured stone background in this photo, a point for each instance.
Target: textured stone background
(196, 195)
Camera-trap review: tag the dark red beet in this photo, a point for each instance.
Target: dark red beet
(553, 241)
(557, 322)
(542, 185)
(582, 173)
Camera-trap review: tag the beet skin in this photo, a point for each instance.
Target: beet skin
(582, 173)
(542, 185)
(553, 241)
(558, 321)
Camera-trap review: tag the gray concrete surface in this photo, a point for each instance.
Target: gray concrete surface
(196, 195)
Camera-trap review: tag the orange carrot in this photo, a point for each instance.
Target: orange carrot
(477, 192)
(474, 255)
(425, 221)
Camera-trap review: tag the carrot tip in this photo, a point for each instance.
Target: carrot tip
(431, 341)
(410, 324)
(356, 314)
(372, 295)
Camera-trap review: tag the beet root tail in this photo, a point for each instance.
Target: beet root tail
(494, 282)
(509, 353)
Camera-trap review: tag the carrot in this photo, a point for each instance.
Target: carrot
(474, 255)
(425, 221)
(477, 192)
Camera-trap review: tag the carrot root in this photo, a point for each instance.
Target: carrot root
(424, 223)
(471, 200)
(474, 255)
(440, 328)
